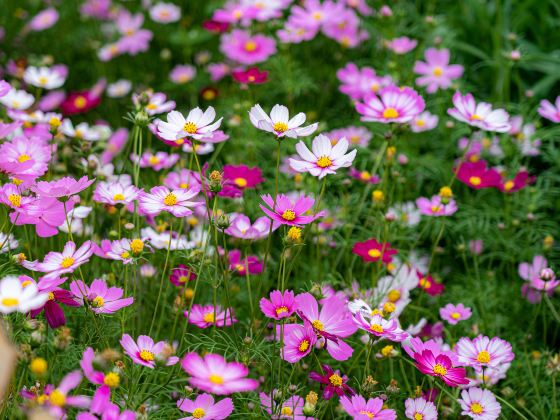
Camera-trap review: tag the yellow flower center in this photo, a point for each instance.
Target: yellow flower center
(151, 106)
(324, 162)
(509, 185)
(15, 199)
(25, 283)
(98, 302)
(318, 325)
(317, 15)
(437, 71)
(288, 215)
(376, 328)
(190, 127)
(378, 195)
(67, 262)
(23, 158)
(43, 80)
(216, 379)
(136, 246)
(439, 370)
(170, 199)
(374, 253)
(294, 233)
(435, 209)
(420, 123)
(389, 307)
(335, 379)
(483, 357)
(286, 411)
(118, 197)
(365, 175)
(154, 160)
(455, 315)
(303, 346)
(418, 416)
(240, 182)
(38, 366)
(387, 350)
(445, 192)
(366, 413)
(475, 117)
(147, 356)
(80, 102)
(375, 87)
(57, 398)
(476, 408)
(51, 296)
(390, 113)
(281, 310)
(209, 317)
(183, 279)
(198, 413)
(10, 301)
(183, 185)
(280, 127)
(125, 255)
(394, 295)
(250, 46)
(112, 379)
(475, 180)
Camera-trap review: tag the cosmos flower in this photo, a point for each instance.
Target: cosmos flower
(102, 407)
(333, 382)
(17, 99)
(205, 316)
(182, 73)
(435, 207)
(181, 275)
(82, 131)
(53, 312)
(243, 266)
(454, 313)
(24, 158)
(298, 340)
(15, 296)
(241, 227)
(63, 187)
(212, 373)
(424, 122)
(391, 105)
(83, 101)
(372, 251)
(380, 327)
(549, 111)
(483, 351)
(156, 161)
(109, 380)
(114, 193)
(419, 408)
(58, 399)
(101, 298)
(477, 175)
(165, 12)
(43, 77)
(520, 181)
(479, 115)
(119, 89)
(238, 178)
(325, 159)
(204, 407)
(401, 45)
(440, 366)
(43, 20)
(279, 122)
(251, 76)
(184, 178)
(364, 176)
(479, 404)
(145, 352)
(279, 305)
(196, 125)
(242, 47)
(358, 408)
(286, 408)
(436, 72)
(177, 202)
(358, 83)
(153, 103)
(46, 214)
(57, 263)
(290, 212)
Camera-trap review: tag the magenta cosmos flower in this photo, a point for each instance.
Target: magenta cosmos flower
(252, 76)
(298, 341)
(102, 407)
(242, 228)
(436, 73)
(204, 407)
(279, 305)
(441, 367)
(331, 324)
(181, 275)
(58, 399)
(324, 159)
(177, 202)
(549, 111)
(380, 327)
(57, 263)
(479, 404)
(434, 207)
(358, 83)
(372, 251)
(392, 105)
(279, 122)
(183, 178)
(244, 48)
(110, 379)
(197, 125)
(455, 313)
(291, 408)
(334, 383)
(358, 408)
(63, 187)
(483, 351)
(243, 266)
(47, 214)
(238, 178)
(215, 375)
(24, 158)
(477, 175)
(288, 212)
(101, 299)
(479, 115)
(204, 316)
(145, 352)
(57, 296)
(420, 409)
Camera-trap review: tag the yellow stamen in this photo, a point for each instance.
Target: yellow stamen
(170, 199)
(209, 317)
(250, 46)
(80, 102)
(67, 262)
(318, 325)
(376, 328)
(281, 310)
(437, 71)
(483, 357)
(15, 199)
(455, 315)
(136, 246)
(190, 127)
(440, 370)
(390, 113)
(23, 158)
(198, 413)
(475, 180)
(324, 162)
(288, 215)
(280, 127)
(118, 197)
(394, 295)
(98, 302)
(475, 117)
(112, 379)
(10, 301)
(216, 379)
(476, 408)
(240, 182)
(335, 379)
(147, 356)
(286, 411)
(57, 398)
(303, 346)
(374, 253)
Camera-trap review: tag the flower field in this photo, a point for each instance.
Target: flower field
(279, 209)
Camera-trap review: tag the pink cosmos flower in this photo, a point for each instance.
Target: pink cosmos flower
(372, 251)
(477, 175)
(182, 73)
(205, 316)
(243, 266)
(279, 122)
(4, 88)
(279, 305)
(356, 136)
(479, 404)
(11, 196)
(43, 20)
(358, 408)
(102, 407)
(157, 161)
(251, 76)
(334, 383)
(94, 376)
(298, 341)
(235, 12)
(436, 73)
(63, 187)
(325, 159)
(213, 374)
(479, 115)
(380, 327)
(419, 408)
(434, 206)
(157, 103)
(244, 48)
(549, 111)
(291, 408)
(523, 135)
(101, 299)
(424, 122)
(197, 125)
(165, 12)
(440, 366)
(114, 193)
(203, 407)
(540, 279)
(23, 158)
(177, 202)
(145, 352)
(401, 45)
(331, 324)
(241, 227)
(364, 176)
(454, 313)
(181, 275)
(520, 181)
(483, 351)
(47, 214)
(53, 312)
(57, 263)
(290, 212)
(183, 178)
(237, 178)
(114, 145)
(358, 83)
(9, 128)
(394, 104)
(58, 399)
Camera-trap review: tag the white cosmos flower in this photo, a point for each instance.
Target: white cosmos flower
(43, 77)
(82, 131)
(197, 125)
(15, 297)
(119, 89)
(17, 99)
(279, 122)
